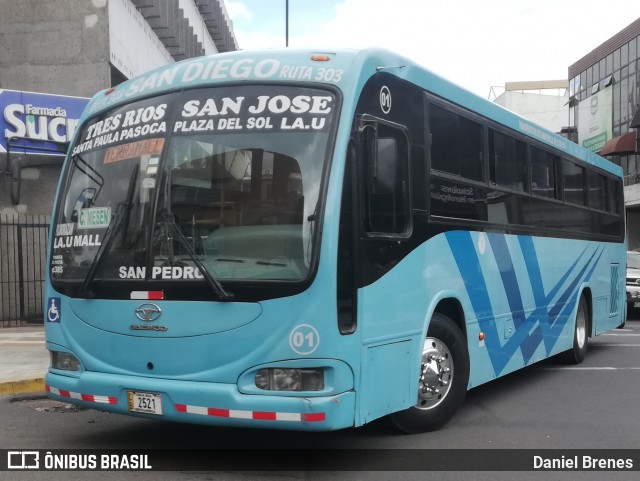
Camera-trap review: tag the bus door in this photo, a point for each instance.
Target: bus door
(385, 226)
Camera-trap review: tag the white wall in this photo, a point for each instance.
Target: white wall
(196, 22)
(135, 48)
(549, 111)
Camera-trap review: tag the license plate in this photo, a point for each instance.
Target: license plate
(145, 402)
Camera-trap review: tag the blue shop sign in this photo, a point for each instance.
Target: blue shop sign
(38, 123)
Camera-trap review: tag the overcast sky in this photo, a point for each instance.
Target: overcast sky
(475, 43)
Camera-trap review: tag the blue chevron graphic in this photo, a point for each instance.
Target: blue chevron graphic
(552, 309)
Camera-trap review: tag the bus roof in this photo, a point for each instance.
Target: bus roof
(345, 68)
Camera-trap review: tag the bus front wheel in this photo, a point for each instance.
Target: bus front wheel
(443, 378)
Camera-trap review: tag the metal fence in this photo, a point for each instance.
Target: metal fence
(23, 242)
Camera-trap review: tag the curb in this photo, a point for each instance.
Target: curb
(23, 386)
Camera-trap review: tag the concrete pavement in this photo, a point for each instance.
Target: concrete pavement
(24, 360)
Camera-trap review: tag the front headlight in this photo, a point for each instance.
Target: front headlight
(276, 379)
(64, 361)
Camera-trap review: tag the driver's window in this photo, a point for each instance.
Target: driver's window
(386, 196)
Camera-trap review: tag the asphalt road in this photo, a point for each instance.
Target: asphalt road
(547, 406)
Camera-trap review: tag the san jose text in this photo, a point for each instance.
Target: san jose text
(252, 123)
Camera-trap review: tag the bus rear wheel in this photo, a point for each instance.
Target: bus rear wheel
(578, 350)
(443, 379)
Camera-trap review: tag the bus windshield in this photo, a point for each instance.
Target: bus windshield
(225, 179)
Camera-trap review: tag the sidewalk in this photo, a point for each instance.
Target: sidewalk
(24, 360)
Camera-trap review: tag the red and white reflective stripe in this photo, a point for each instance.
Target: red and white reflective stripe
(82, 397)
(147, 295)
(257, 415)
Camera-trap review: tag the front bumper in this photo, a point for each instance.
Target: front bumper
(205, 403)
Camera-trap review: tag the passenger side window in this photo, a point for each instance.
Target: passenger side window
(543, 173)
(597, 191)
(456, 143)
(507, 161)
(574, 183)
(614, 194)
(387, 198)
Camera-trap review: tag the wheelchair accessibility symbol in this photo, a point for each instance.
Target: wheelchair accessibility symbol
(54, 310)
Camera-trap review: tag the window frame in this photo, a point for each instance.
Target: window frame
(526, 185)
(591, 174)
(590, 231)
(460, 113)
(585, 196)
(556, 169)
(366, 121)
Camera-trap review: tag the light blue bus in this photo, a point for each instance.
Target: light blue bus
(313, 240)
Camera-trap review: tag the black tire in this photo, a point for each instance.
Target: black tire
(578, 351)
(434, 410)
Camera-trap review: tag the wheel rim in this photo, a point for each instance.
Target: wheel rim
(436, 374)
(581, 326)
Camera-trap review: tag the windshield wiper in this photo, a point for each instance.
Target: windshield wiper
(220, 291)
(115, 224)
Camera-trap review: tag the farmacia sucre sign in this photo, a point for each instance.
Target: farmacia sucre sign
(37, 118)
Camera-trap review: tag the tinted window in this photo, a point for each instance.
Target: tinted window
(507, 161)
(614, 191)
(387, 186)
(346, 271)
(456, 144)
(507, 207)
(457, 200)
(470, 148)
(574, 183)
(543, 173)
(597, 191)
(444, 140)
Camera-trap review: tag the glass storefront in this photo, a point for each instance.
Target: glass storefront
(620, 71)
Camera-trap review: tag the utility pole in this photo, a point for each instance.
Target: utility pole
(287, 23)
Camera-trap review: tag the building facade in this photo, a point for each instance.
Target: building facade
(70, 49)
(79, 47)
(604, 106)
(543, 102)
